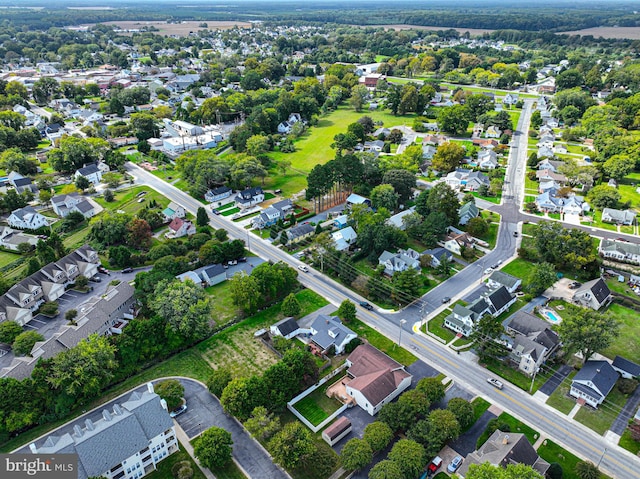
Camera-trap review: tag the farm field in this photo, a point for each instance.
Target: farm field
(472, 31)
(632, 33)
(181, 29)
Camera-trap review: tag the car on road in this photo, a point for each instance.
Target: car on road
(446, 299)
(495, 383)
(303, 268)
(215, 212)
(127, 270)
(488, 271)
(454, 464)
(178, 410)
(495, 266)
(366, 305)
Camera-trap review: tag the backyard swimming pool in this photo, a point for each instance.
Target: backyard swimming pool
(551, 316)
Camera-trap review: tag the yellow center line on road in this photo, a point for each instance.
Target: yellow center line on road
(431, 351)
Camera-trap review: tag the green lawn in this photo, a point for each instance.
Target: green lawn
(223, 309)
(127, 201)
(316, 407)
(230, 211)
(479, 408)
(163, 470)
(236, 349)
(436, 327)
(381, 342)
(514, 426)
(514, 376)
(7, 258)
(560, 399)
(601, 419)
(627, 343)
(520, 268)
(552, 452)
(627, 442)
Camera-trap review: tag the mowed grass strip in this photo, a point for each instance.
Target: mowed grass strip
(309, 409)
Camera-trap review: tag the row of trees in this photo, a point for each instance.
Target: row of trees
(266, 284)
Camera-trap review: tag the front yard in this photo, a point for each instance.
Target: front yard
(381, 342)
(560, 398)
(627, 343)
(601, 419)
(552, 452)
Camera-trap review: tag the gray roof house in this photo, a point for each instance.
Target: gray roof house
(622, 217)
(397, 219)
(249, 197)
(593, 294)
(327, 331)
(504, 448)
(400, 261)
(437, 254)
(273, 213)
(499, 278)
(131, 435)
(593, 382)
(213, 274)
(533, 341)
(461, 320)
(620, 251)
(344, 238)
(287, 328)
(627, 369)
(300, 232)
(467, 212)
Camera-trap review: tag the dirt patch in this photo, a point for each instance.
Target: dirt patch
(180, 29)
(472, 31)
(632, 33)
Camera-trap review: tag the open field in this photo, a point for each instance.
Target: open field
(8, 258)
(180, 29)
(472, 31)
(632, 33)
(627, 343)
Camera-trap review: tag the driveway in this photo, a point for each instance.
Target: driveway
(561, 290)
(555, 380)
(629, 409)
(466, 442)
(204, 411)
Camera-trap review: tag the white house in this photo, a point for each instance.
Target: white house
(622, 217)
(286, 126)
(499, 279)
(627, 369)
(532, 341)
(65, 204)
(179, 228)
(487, 160)
(90, 172)
(594, 382)
(344, 238)
(593, 294)
(27, 218)
(327, 331)
(213, 274)
(374, 379)
(174, 210)
(400, 261)
(620, 251)
(287, 328)
(249, 197)
(125, 441)
(218, 194)
(397, 219)
(11, 239)
(454, 242)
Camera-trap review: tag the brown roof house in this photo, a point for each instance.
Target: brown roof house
(504, 448)
(376, 378)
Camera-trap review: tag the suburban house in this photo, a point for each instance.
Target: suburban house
(327, 331)
(438, 255)
(48, 284)
(550, 165)
(344, 238)
(179, 228)
(620, 251)
(125, 441)
(286, 126)
(354, 199)
(594, 382)
(454, 242)
(374, 378)
(218, 194)
(463, 318)
(249, 197)
(627, 369)
(548, 202)
(468, 180)
(548, 175)
(493, 132)
(574, 205)
(299, 233)
(498, 301)
(487, 160)
(499, 279)
(11, 239)
(593, 294)
(273, 213)
(65, 204)
(532, 343)
(213, 274)
(397, 219)
(20, 183)
(191, 276)
(400, 261)
(545, 151)
(27, 218)
(90, 172)
(172, 211)
(620, 217)
(287, 328)
(510, 99)
(340, 221)
(467, 212)
(504, 448)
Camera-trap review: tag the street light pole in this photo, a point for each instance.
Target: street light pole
(402, 321)
(601, 457)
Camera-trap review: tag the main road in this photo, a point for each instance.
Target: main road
(577, 438)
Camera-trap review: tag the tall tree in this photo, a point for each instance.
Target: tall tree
(448, 157)
(172, 391)
(587, 331)
(185, 307)
(202, 218)
(292, 445)
(378, 434)
(542, 276)
(410, 457)
(355, 454)
(213, 448)
(386, 469)
(384, 196)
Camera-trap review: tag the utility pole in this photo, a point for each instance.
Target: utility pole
(402, 321)
(535, 371)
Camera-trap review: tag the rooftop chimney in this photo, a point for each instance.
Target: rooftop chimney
(150, 387)
(163, 403)
(77, 430)
(505, 439)
(106, 415)
(33, 448)
(89, 424)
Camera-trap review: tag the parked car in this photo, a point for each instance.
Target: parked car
(215, 212)
(303, 268)
(446, 299)
(96, 279)
(515, 234)
(178, 411)
(103, 270)
(495, 383)
(366, 305)
(140, 200)
(233, 262)
(242, 260)
(488, 271)
(454, 464)
(434, 466)
(127, 270)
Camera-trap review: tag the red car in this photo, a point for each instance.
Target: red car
(434, 466)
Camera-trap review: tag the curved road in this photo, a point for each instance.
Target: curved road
(575, 437)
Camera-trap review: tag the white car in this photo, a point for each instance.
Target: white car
(495, 383)
(303, 268)
(488, 271)
(179, 410)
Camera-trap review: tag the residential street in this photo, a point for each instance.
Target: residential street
(463, 369)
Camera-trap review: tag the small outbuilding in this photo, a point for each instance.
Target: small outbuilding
(339, 429)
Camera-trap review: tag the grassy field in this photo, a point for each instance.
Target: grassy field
(223, 308)
(127, 201)
(552, 452)
(560, 399)
(314, 147)
(627, 442)
(316, 407)
(479, 408)
(627, 343)
(436, 327)
(237, 349)
(8, 258)
(513, 375)
(520, 268)
(383, 343)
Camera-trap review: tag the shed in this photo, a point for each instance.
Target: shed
(337, 431)
(627, 369)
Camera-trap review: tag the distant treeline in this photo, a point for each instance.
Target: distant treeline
(518, 17)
